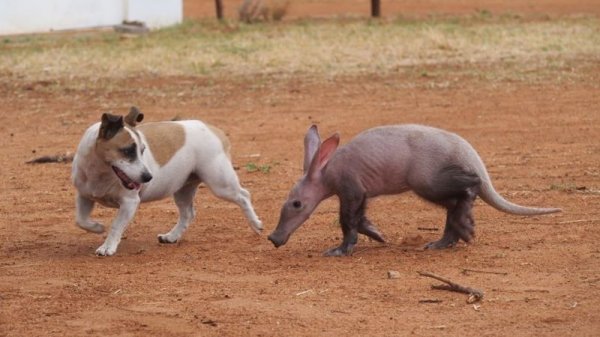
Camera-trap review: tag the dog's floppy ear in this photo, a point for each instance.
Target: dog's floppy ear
(110, 126)
(134, 116)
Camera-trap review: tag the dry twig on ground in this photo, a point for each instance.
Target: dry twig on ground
(466, 271)
(475, 295)
(59, 158)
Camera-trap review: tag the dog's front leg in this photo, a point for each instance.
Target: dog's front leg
(83, 209)
(127, 209)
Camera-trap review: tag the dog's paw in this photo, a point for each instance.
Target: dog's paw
(106, 250)
(93, 227)
(257, 226)
(166, 238)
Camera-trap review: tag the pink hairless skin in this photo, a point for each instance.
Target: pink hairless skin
(437, 165)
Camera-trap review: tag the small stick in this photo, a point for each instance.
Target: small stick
(304, 292)
(536, 290)
(61, 158)
(465, 271)
(209, 322)
(475, 295)
(555, 223)
(427, 228)
(582, 220)
(430, 301)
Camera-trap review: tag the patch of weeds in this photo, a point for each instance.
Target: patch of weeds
(217, 64)
(236, 49)
(562, 187)
(316, 47)
(200, 68)
(187, 27)
(373, 22)
(254, 167)
(554, 47)
(568, 187)
(82, 39)
(484, 14)
(511, 16)
(402, 20)
(110, 38)
(304, 22)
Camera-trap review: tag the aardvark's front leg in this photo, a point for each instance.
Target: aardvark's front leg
(352, 211)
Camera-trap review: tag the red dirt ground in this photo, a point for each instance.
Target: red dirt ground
(391, 8)
(540, 142)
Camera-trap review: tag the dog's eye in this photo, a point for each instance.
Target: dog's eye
(297, 204)
(129, 152)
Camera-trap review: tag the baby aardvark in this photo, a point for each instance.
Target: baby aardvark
(437, 165)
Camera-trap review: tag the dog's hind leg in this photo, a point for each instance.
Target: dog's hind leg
(184, 199)
(83, 209)
(243, 200)
(224, 183)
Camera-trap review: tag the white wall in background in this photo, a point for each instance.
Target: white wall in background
(31, 16)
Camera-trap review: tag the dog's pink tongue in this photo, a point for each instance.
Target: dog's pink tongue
(133, 185)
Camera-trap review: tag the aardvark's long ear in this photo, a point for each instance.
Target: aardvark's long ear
(134, 116)
(311, 144)
(110, 126)
(322, 156)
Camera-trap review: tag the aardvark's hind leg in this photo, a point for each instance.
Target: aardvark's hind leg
(367, 228)
(459, 223)
(454, 188)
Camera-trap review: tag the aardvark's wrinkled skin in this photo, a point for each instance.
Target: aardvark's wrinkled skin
(437, 165)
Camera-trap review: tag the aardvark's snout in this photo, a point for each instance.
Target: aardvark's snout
(277, 239)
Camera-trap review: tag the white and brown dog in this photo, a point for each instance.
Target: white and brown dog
(120, 164)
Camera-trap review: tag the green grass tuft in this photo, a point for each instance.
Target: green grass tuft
(253, 167)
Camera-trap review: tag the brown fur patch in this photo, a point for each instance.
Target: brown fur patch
(164, 139)
(108, 149)
(222, 137)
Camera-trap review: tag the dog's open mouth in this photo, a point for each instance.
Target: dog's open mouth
(125, 180)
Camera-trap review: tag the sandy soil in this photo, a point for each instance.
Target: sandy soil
(539, 274)
(540, 143)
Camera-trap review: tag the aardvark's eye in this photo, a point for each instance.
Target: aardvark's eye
(296, 204)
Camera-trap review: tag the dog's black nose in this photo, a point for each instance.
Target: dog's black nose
(146, 177)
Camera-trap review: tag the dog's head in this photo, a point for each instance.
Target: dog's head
(120, 146)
